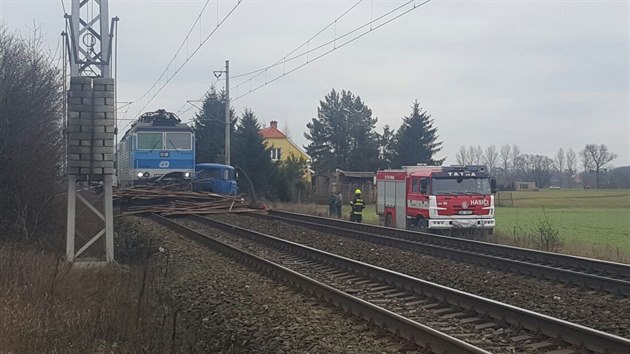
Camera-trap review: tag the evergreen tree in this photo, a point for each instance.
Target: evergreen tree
(289, 180)
(251, 155)
(364, 140)
(416, 140)
(343, 136)
(387, 147)
(209, 128)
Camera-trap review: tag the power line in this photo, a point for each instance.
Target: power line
(259, 71)
(191, 55)
(179, 113)
(181, 110)
(184, 41)
(308, 61)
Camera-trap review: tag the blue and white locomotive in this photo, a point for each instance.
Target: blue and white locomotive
(157, 147)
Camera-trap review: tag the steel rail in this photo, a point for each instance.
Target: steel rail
(420, 334)
(596, 274)
(571, 333)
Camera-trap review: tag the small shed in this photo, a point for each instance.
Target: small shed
(347, 182)
(525, 186)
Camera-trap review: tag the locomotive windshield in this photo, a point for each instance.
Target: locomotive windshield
(178, 141)
(455, 186)
(150, 141)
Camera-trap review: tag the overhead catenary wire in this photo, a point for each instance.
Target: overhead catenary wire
(258, 72)
(179, 49)
(335, 47)
(191, 55)
(306, 42)
(288, 58)
(181, 109)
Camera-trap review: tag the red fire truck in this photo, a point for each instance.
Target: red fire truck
(436, 198)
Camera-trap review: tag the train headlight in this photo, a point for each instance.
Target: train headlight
(146, 174)
(139, 174)
(187, 175)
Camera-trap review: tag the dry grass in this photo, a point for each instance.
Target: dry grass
(48, 306)
(310, 209)
(603, 252)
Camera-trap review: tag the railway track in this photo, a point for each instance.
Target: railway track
(457, 321)
(594, 274)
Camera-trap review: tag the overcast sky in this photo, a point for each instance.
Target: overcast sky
(539, 74)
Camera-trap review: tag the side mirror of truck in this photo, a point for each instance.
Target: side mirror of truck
(424, 184)
(493, 185)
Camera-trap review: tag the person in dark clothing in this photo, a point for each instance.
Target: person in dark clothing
(357, 204)
(339, 204)
(332, 208)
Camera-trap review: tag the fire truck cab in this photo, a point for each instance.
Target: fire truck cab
(436, 198)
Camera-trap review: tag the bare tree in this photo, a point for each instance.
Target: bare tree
(537, 168)
(30, 135)
(559, 164)
(597, 156)
(516, 160)
(491, 158)
(506, 154)
(462, 156)
(559, 160)
(587, 168)
(475, 155)
(571, 166)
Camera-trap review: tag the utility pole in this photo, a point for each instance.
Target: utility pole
(217, 74)
(227, 112)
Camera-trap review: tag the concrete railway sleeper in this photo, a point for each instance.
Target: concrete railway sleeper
(481, 322)
(591, 273)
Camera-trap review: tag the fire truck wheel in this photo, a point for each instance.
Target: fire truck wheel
(388, 220)
(420, 223)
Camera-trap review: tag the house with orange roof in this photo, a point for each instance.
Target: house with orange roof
(281, 147)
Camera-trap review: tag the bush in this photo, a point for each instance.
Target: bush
(31, 139)
(545, 236)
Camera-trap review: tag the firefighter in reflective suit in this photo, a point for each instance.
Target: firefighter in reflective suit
(357, 204)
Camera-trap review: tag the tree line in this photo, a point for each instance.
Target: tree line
(342, 136)
(565, 169)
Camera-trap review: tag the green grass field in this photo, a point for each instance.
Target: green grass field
(569, 198)
(591, 222)
(588, 226)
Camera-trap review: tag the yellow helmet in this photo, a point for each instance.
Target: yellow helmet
(357, 191)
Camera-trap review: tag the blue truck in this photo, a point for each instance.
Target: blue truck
(215, 178)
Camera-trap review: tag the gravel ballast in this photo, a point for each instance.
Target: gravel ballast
(594, 309)
(226, 307)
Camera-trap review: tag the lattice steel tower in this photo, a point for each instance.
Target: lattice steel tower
(90, 127)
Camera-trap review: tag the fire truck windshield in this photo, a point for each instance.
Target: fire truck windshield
(455, 186)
